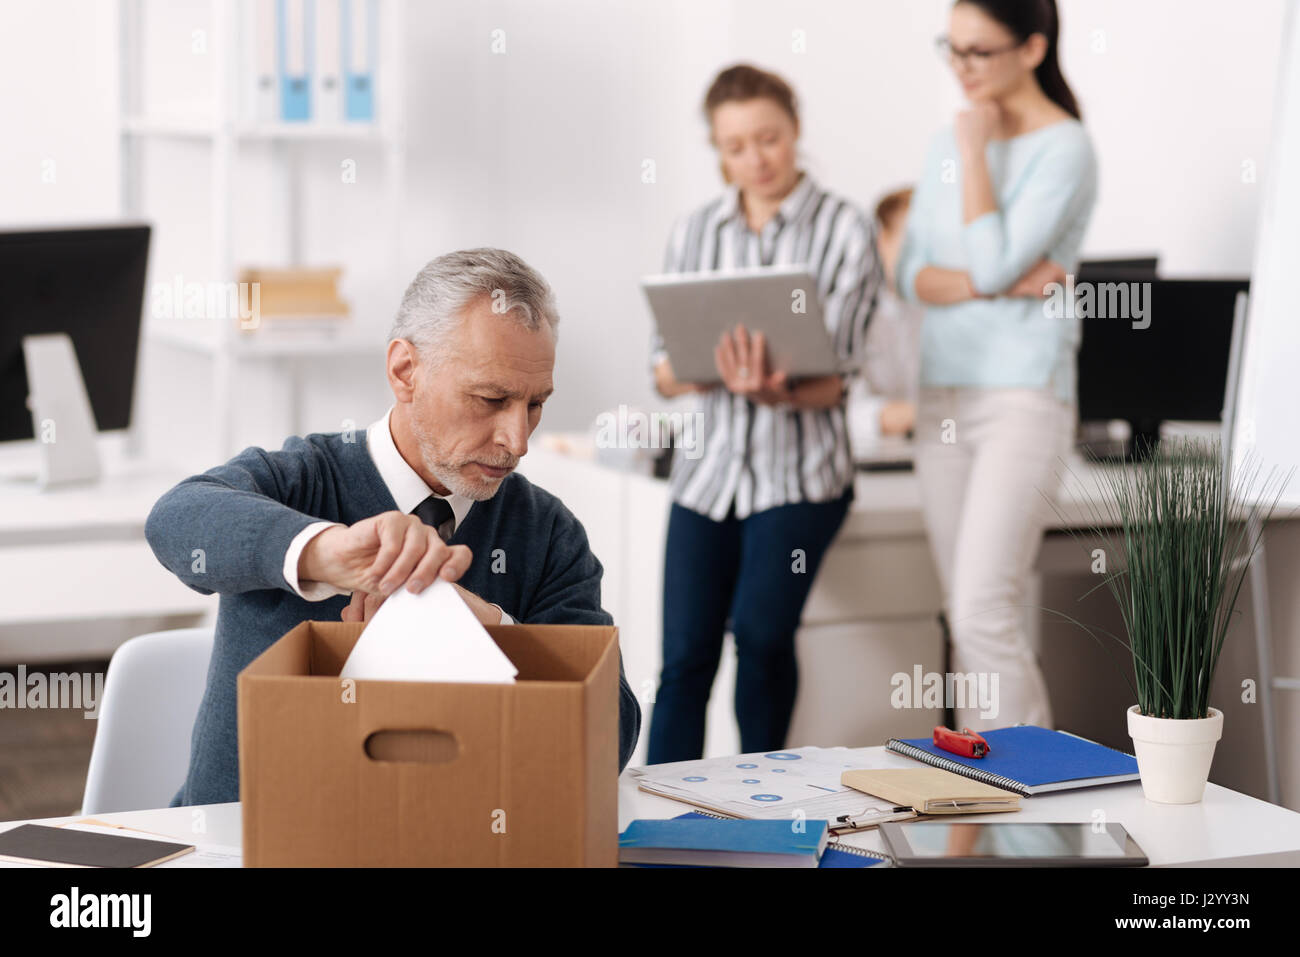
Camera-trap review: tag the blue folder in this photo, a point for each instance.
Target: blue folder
(295, 88)
(359, 88)
(670, 836)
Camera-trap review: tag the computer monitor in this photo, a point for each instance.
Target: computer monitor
(1091, 269)
(1169, 364)
(87, 282)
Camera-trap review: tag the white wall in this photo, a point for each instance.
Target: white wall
(867, 78)
(58, 112)
(540, 150)
(1178, 96)
(543, 152)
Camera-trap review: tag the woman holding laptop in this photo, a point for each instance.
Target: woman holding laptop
(999, 212)
(753, 515)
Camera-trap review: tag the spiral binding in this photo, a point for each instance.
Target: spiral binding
(861, 851)
(838, 845)
(985, 777)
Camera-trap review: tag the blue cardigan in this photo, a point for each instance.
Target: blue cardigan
(1045, 183)
(227, 531)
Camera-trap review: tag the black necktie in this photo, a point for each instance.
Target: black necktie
(436, 512)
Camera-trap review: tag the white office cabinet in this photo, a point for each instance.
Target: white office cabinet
(847, 686)
(874, 579)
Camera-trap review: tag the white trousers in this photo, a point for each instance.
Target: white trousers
(985, 459)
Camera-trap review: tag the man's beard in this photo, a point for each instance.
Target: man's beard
(450, 474)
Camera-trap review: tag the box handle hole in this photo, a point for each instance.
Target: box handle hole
(412, 746)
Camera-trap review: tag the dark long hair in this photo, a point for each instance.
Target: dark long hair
(1024, 18)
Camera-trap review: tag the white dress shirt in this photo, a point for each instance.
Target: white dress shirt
(408, 491)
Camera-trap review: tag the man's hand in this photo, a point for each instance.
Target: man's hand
(1034, 283)
(742, 362)
(380, 554)
(364, 605)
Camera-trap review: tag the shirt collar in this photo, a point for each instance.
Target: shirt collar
(731, 201)
(790, 209)
(404, 483)
(799, 198)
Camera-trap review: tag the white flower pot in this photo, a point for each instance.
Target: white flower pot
(1174, 754)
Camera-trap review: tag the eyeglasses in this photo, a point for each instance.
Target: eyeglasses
(972, 56)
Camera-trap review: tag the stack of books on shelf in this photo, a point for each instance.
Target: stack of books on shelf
(294, 300)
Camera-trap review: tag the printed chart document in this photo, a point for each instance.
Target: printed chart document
(432, 636)
(775, 785)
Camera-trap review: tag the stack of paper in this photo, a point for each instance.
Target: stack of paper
(773, 785)
(432, 636)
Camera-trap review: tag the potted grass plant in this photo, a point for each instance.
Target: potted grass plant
(1183, 531)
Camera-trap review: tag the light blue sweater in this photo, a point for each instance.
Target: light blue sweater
(1045, 182)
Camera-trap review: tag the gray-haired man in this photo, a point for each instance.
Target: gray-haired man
(287, 536)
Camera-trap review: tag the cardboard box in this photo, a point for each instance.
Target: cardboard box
(336, 773)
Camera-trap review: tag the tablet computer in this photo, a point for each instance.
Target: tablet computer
(692, 310)
(1011, 844)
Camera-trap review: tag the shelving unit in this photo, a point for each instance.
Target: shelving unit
(224, 132)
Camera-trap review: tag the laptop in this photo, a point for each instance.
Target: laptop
(693, 310)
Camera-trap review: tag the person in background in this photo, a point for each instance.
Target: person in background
(999, 213)
(882, 401)
(753, 515)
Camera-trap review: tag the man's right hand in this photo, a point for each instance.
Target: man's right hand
(379, 554)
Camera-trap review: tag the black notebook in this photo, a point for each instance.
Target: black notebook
(62, 847)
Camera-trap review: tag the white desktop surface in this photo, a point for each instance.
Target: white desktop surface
(75, 556)
(1225, 829)
(112, 508)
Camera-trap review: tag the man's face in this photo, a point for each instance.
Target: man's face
(472, 414)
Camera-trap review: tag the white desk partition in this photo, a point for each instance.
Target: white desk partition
(1270, 389)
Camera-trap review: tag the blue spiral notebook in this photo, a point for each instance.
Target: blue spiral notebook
(1029, 760)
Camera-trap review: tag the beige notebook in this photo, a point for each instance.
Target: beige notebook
(932, 790)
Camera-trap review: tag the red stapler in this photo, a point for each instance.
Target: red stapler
(968, 743)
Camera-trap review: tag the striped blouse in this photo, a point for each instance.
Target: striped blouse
(754, 456)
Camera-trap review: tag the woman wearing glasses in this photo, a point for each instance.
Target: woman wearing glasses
(753, 514)
(999, 213)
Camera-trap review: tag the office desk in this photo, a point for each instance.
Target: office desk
(111, 509)
(1226, 829)
(80, 577)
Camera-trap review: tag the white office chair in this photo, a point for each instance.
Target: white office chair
(142, 745)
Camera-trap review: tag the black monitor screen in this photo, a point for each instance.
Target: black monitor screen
(88, 283)
(1165, 357)
(1103, 269)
